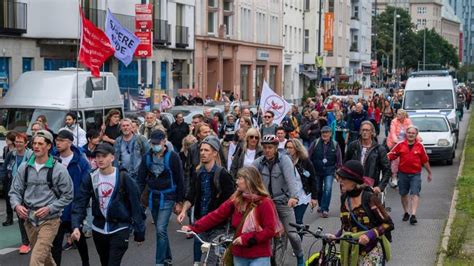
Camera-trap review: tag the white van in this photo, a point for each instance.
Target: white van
(54, 94)
(431, 94)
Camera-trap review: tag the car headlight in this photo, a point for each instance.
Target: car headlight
(443, 142)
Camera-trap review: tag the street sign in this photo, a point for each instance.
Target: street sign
(143, 17)
(145, 48)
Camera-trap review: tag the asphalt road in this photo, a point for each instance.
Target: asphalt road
(412, 245)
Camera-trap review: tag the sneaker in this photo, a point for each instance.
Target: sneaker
(394, 183)
(325, 214)
(168, 262)
(68, 246)
(413, 220)
(406, 216)
(24, 249)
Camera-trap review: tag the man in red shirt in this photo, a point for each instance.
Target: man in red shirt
(412, 158)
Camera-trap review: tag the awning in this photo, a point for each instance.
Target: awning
(311, 75)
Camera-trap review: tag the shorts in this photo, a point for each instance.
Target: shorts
(409, 183)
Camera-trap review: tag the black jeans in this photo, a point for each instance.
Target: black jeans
(24, 237)
(111, 248)
(7, 182)
(57, 249)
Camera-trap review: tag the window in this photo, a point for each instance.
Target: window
(179, 15)
(244, 82)
(4, 72)
(275, 30)
(211, 22)
(27, 64)
(423, 22)
(306, 41)
(212, 3)
(228, 6)
(306, 5)
(261, 28)
(157, 5)
(355, 12)
(354, 41)
(421, 10)
(228, 25)
(246, 24)
(331, 6)
(56, 64)
(272, 77)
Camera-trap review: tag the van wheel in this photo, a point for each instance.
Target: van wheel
(450, 161)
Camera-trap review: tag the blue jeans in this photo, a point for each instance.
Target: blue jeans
(299, 213)
(387, 124)
(262, 261)
(161, 217)
(325, 188)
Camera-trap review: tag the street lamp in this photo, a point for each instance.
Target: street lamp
(394, 48)
(424, 45)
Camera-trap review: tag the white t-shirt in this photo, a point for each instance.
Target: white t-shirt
(249, 157)
(231, 151)
(66, 160)
(38, 166)
(363, 155)
(281, 144)
(105, 189)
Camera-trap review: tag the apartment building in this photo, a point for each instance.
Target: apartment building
(464, 10)
(34, 39)
(238, 46)
(381, 5)
(360, 42)
(337, 39)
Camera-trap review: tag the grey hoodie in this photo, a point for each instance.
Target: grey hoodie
(38, 194)
(285, 185)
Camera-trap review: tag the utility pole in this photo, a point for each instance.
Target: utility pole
(424, 48)
(320, 68)
(394, 47)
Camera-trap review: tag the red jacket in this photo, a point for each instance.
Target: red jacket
(261, 246)
(411, 161)
(377, 114)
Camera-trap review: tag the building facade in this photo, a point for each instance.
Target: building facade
(293, 40)
(360, 42)
(238, 46)
(31, 40)
(337, 55)
(381, 5)
(464, 10)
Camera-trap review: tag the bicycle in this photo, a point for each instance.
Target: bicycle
(279, 247)
(328, 255)
(219, 243)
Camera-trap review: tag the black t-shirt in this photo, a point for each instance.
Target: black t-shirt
(112, 132)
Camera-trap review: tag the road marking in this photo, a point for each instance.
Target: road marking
(7, 250)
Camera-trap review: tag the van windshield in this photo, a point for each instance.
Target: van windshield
(428, 99)
(20, 119)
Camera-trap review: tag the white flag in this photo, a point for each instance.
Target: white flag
(124, 42)
(270, 101)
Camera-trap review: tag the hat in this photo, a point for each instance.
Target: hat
(352, 170)
(104, 148)
(157, 136)
(65, 134)
(45, 134)
(213, 142)
(326, 129)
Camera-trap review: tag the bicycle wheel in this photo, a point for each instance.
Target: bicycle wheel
(279, 247)
(314, 260)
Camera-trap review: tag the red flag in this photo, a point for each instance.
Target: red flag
(95, 46)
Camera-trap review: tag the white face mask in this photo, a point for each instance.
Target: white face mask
(157, 148)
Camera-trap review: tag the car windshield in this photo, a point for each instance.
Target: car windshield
(430, 124)
(176, 111)
(20, 119)
(428, 99)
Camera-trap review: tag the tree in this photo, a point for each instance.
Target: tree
(438, 50)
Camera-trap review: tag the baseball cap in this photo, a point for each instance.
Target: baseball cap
(45, 134)
(326, 129)
(104, 148)
(157, 136)
(65, 134)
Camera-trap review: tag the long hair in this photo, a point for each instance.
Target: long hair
(300, 150)
(254, 183)
(187, 141)
(251, 132)
(111, 113)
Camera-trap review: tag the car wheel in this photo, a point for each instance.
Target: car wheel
(450, 161)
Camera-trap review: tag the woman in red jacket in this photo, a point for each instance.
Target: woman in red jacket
(374, 116)
(252, 239)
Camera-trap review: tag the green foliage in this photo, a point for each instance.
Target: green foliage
(409, 42)
(463, 71)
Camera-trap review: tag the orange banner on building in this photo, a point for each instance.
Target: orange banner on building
(328, 31)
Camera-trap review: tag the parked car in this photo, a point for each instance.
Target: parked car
(438, 136)
(190, 110)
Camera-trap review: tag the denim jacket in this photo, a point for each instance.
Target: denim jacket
(137, 152)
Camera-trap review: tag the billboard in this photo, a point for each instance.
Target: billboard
(329, 31)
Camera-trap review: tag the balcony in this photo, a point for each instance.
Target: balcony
(182, 37)
(97, 16)
(354, 47)
(161, 35)
(13, 19)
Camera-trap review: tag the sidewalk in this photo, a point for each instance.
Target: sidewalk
(10, 234)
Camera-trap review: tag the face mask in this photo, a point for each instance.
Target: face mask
(157, 148)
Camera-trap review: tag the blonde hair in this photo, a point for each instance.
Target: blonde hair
(402, 112)
(187, 141)
(254, 182)
(251, 132)
(300, 150)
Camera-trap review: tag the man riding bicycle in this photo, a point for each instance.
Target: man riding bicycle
(279, 177)
(372, 155)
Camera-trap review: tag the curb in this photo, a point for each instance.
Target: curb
(452, 211)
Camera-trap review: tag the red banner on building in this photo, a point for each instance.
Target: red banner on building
(143, 17)
(95, 46)
(145, 48)
(328, 31)
(373, 67)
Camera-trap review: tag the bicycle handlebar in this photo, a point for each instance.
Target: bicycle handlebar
(217, 241)
(304, 229)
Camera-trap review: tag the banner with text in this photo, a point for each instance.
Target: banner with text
(124, 42)
(328, 31)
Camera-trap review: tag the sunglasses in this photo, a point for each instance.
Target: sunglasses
(254, 137)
